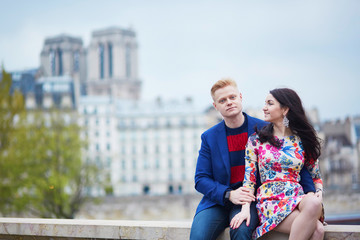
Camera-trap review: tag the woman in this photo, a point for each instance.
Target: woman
(280, 150)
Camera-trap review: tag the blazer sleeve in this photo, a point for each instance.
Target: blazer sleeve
(306, 181)
(205, 181)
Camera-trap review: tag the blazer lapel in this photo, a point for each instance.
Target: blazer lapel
(223, 147)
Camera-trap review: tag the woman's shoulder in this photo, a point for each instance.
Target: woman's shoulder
(253, 139)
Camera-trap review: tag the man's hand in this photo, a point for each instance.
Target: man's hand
(241, 196)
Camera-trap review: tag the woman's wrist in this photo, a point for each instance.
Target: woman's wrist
(246, 205)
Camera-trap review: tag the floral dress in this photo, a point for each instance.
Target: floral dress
(280, 191)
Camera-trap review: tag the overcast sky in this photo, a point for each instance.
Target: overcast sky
(185, 46)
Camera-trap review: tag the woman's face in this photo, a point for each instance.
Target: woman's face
(272, 110)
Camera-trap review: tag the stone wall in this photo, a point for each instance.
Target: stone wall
(182, 207)
(56, 229)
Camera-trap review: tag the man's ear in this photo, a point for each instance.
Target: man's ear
(214, 105)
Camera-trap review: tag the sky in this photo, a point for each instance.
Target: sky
(185, 46)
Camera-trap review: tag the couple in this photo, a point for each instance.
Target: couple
(243, 156)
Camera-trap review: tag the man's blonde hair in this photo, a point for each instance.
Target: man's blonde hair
(224, 82)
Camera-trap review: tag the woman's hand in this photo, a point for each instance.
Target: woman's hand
(241, 216)
(319, 195)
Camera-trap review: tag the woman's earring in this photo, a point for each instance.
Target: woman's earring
(286, 121)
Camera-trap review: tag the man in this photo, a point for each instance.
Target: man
(221, 166)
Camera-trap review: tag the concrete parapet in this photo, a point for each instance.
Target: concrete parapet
(39, 228)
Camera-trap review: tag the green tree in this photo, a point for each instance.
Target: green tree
(46, 176)
(11, 109)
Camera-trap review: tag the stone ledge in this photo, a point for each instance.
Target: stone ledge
(332, 232)
(39, 228)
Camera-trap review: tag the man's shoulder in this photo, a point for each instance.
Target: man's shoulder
(215, 128)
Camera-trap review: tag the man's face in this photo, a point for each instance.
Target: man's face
(227, 101)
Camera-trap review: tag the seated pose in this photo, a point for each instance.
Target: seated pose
(279, 151)
(221, 166)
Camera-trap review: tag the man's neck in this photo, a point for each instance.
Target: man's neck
(236, 121)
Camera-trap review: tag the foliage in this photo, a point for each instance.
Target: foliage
(11, 108)
(42, 172)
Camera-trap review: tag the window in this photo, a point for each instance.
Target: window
(146, 164)
(182, 148)
(76, 61)
(123, 164)
(128, 60)
(52, 62)
(110, 48)
(60, 63)
(146, 189)
(108, 162)
(134, 164)
(157, 163)
(183, 162)
(169, 149)
(101, 60)
(123, 150)
(97, 146)
(171, 189)
(98, 161)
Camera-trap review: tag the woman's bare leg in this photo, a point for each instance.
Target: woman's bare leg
(285, 225)
(319, 231)
(303, 222)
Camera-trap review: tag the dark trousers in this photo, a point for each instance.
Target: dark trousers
(210, 223)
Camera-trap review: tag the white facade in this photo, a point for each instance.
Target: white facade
(144, 147)
(140, 147)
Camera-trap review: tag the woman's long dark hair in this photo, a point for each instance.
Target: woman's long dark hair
(298, 123)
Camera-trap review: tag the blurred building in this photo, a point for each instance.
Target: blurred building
(143, 147)
(58, 80)
(107, 67)
(112, 68)
(340, 155)
(24, 81)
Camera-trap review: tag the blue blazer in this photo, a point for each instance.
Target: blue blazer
(212, 176)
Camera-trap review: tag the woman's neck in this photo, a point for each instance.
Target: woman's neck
(281, 131)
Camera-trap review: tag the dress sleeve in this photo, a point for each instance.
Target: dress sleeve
(251, 158)
(314, 170)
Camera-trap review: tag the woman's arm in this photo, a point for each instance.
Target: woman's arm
(249, 182)
(243, 215)
(314, 170)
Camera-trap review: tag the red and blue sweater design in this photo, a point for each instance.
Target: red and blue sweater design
(236, 140)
